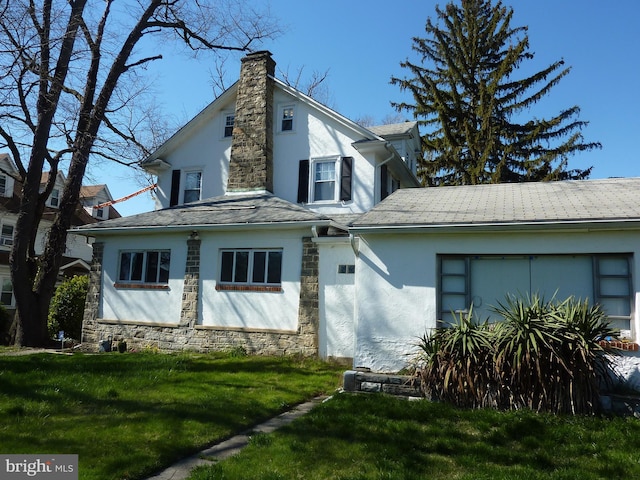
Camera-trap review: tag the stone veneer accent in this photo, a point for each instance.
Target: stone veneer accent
(187, 335)
(191, 289)
(92, 304)
(308, 311)
(251, 163)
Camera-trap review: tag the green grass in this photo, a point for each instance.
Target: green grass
(357, 437)
(127, 416)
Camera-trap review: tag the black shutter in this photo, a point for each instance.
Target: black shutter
(175, 188)
(345, 178)
(303, 182)
(384, 190)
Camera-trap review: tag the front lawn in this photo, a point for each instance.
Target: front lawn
(129, 415)
(358, 437)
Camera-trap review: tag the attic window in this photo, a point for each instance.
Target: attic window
(229, 121)
(3, 186)
(54, 199)
(287, 119)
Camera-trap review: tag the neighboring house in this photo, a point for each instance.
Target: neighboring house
(426, 253)
(96, 200)
(78, 253)
(250, 244)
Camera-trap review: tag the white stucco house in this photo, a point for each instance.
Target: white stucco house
(284, 227)
(249, 246)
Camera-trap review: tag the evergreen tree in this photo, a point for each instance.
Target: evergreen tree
(466, 94)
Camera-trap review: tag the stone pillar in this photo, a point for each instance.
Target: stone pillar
(251, 163)
(308, 312)
(191, 289)
(92, 304)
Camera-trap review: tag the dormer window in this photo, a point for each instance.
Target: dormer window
(229, 121)
(3, 186)
(99, 212)
(287, 119)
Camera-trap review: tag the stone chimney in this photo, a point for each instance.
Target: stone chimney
(251, 165)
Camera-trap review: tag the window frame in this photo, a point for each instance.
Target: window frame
(186, 191)
(6, 241)
(4, 182)
(227, 127)
(247, 272)
(54, 198)
(144, 266)
(289, 119)
(3, 281)
(314, 163)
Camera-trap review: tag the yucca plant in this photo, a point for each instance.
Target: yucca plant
(544, 356)
(458, 363)
(526, 356)
(583, 326)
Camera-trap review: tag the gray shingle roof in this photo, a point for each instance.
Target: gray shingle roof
(226, 210)
(393, 129)
(616, 199)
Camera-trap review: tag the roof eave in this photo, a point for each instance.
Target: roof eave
(94, 232)
(551, 225)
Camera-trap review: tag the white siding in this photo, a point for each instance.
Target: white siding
(251, 309)
(396, 293)
(336, 296)
(140, 305)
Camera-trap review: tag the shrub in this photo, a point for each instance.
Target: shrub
(67, 307)
(544, 356)
(458, 364)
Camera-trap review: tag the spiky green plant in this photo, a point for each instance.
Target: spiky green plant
(458, 363)
(544, 355)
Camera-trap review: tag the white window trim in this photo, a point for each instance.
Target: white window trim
(183, 183)
(57, 198)
(5, 189)
(13, 297)
(3, 241)
(223, 122)
(312, 179)
(281, 109)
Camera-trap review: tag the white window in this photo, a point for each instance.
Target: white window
(6, 234)
(286, 118)
(192, 186)
(99, 212)
(3, 186)
(229, 121)
(145, 266)
(324, 181)
(255, 267)
(54, 198)
(6, 294)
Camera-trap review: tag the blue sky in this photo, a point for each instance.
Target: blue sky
(361, 44)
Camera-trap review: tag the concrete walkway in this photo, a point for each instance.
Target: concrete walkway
(233, 445)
